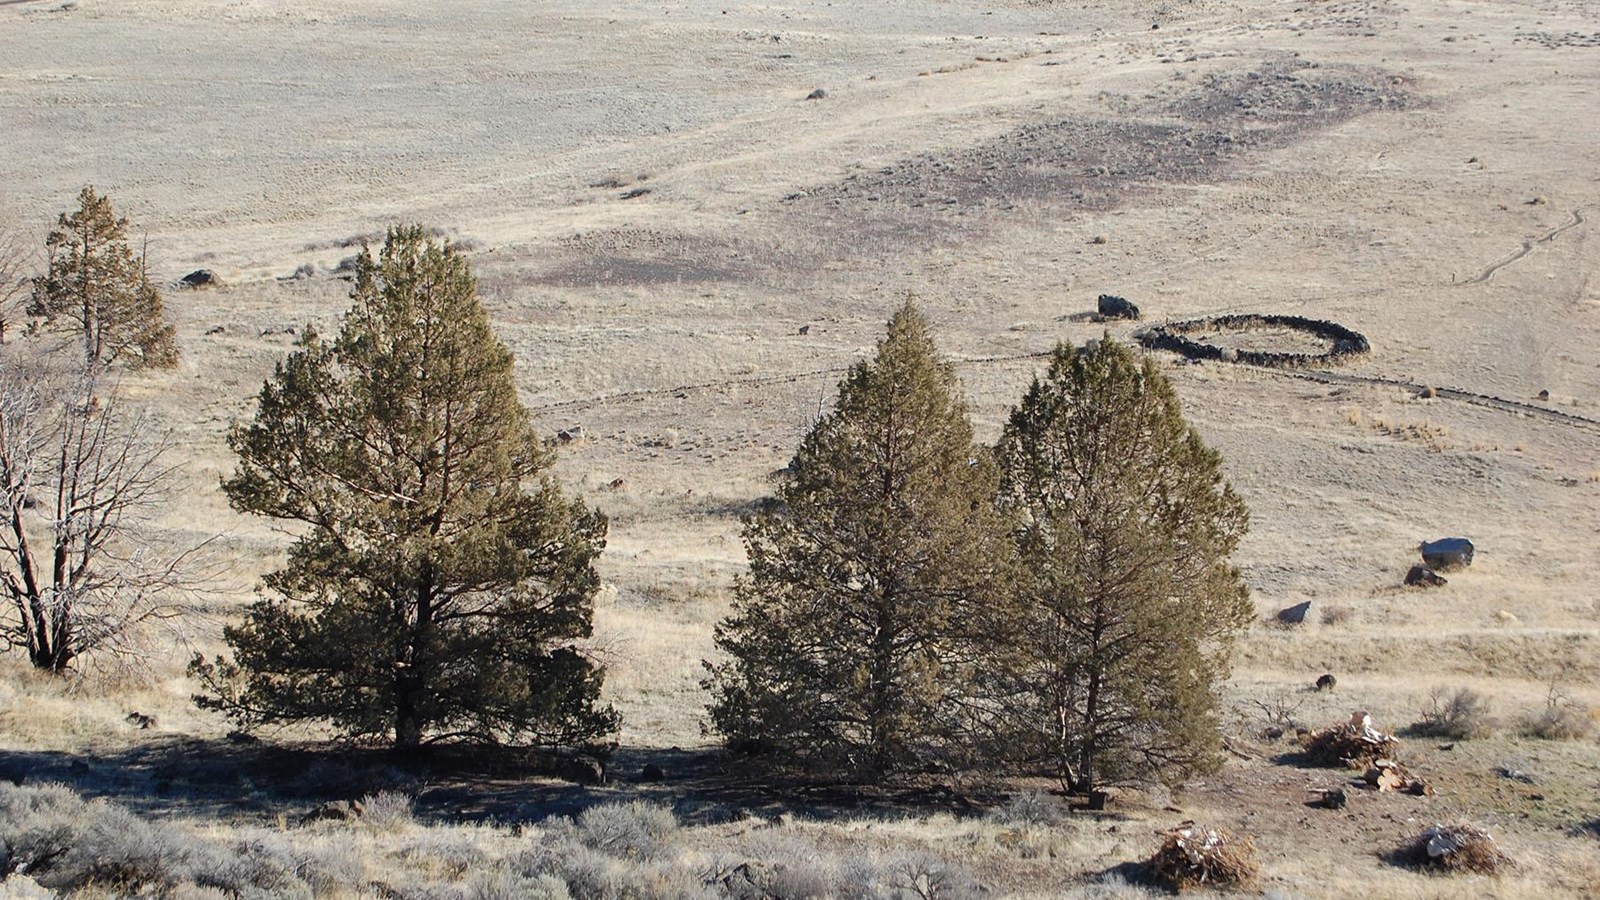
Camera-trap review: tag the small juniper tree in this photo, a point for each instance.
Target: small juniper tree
(96, 286)
(1130, 604)
(852, 637)
(442, 584)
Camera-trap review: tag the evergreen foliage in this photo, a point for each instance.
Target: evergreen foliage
(852, 640)
(1129, 603)
(441, 583)
(97, 287)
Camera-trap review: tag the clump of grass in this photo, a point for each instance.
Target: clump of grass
(1459, 716)
(1338, 615)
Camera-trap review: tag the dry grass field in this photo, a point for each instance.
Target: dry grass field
(684, 252)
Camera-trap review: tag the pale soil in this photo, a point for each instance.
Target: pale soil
(1422, 172)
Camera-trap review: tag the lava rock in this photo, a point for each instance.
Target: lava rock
(1296, 614)
(1446, 554)
(1112, 307)
(1424, 577)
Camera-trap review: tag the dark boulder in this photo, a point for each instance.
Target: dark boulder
(1327, 682)
(652, 772)
(1447, 553)
(1296, 614)
(1117, 308)
(200, 278)
(1422, 576)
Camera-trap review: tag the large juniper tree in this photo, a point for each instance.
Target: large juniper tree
(1130, 603)
(96, 286)
(851, 640)
(441, 584)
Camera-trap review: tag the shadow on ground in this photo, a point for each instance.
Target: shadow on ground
(224, 780)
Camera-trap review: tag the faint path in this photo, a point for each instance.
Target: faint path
(1485, 400)
(757, 381)
(1527, 247)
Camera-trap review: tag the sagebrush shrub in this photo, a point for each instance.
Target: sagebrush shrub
(387, 811)
(1459, 716)
(632, 830)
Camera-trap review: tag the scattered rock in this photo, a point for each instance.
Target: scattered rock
(581, 770)
(818, 94)
(1098, 239)
(636, 193)
(1505, 617)
(1540, 200)
(242, 737)
(1327, 682)
(144, 722)
(617, 484)
(1544, 395)
(304, 271)
(1296, 614)
(1447, 554)
(805, 330)
(1332, 798)
(216, 329)
(200, 278)
(1428, 393)
(569, 435)
(652, 772)
(1113, 307)
(1424, 577)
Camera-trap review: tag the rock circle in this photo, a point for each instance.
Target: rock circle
(1188, 338)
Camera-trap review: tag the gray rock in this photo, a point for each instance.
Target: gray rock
(1112, 307)
(1422, 576)
(1296, 614)
(1447, 554)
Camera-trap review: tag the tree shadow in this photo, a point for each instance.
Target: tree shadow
(219, 779)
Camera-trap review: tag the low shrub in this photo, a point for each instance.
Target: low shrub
(632, 830)
(388, 811)
(1460, 716)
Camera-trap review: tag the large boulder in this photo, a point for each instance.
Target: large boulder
(1111, 307)
(1446, 554)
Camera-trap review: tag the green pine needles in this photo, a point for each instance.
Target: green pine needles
(441, 586)
(1062, 603)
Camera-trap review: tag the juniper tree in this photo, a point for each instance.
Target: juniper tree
(852, 637)
(441, 585)
(96, 286)
(1129, 602)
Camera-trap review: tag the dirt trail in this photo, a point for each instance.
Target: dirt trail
(1527, 247)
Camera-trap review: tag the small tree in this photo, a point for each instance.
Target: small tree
(100, 289)
(441, 583)
(851, 640)
(1131, 604)
(78, 477)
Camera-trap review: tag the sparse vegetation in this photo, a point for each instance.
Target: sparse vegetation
(1197, 857)
(1562, 719)
(1460, 715)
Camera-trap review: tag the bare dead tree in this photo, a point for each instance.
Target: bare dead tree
(16, 263)
(79, 479)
